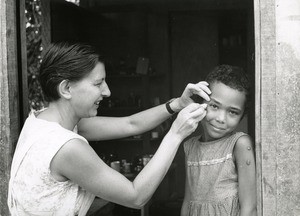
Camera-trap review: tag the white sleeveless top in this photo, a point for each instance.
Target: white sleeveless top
(32, 189)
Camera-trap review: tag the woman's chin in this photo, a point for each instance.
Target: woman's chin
(91, 114)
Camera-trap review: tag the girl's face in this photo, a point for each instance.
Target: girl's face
(88, 92)
(224, 111)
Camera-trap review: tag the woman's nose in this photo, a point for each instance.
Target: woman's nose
(106, 91)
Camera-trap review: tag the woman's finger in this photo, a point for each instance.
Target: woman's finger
(204, 86)
(191, 108)
(200, 89)
(198, 113)
(204, 94)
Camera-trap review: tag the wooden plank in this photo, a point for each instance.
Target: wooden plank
(258, 149)
(22, 55)
(266, 140)
(9, 106)
(268, 108)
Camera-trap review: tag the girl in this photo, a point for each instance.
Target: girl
(220, 165)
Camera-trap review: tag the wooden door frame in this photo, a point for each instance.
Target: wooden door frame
(257, 103)
(9, 91)
(277, 127)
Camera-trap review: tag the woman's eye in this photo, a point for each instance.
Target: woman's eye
(100, 82)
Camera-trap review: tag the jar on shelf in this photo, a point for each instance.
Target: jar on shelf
(146, 159)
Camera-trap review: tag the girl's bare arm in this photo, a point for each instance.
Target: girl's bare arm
(245, 162)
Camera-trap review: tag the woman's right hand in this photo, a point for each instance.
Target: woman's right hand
(188, 119)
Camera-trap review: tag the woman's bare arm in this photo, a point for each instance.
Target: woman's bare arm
(186, 199)
(78, 162)
(104, 128)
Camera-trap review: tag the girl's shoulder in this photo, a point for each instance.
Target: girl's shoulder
(189, 143)
(192, 140)
(232, 140)
(242, 140)
(237, 136)
(243, 144)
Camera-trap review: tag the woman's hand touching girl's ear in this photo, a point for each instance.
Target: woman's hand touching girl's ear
(188, 119)
(200, 89)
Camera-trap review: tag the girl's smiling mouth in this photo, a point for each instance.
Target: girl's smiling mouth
(217, 128)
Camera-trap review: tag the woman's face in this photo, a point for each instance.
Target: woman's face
(224, 111)
(88, 92)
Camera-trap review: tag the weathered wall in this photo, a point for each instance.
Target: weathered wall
(278, 106)
(9, 104)
(288, 105)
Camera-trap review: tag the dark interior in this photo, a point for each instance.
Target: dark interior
(153, 50)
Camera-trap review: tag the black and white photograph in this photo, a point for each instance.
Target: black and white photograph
(150, 108)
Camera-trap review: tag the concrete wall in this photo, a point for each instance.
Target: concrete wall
(277, 31)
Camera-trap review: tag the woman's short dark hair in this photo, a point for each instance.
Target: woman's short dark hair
(64, 61)
(232, 76)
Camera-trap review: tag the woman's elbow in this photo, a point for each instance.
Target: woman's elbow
(136, 201)
(139, 203)
(137, 206)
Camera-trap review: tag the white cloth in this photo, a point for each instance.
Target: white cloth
(32, 189)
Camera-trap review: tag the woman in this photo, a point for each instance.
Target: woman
(55, 171)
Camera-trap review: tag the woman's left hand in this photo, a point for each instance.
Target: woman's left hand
(201, 89)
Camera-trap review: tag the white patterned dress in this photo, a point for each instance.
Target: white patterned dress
(212, 176)
(32, 188)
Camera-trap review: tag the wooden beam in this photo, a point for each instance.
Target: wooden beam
(258, 127)
(180, 5)
(22, 56)
(46, 23)
(9, 106)
(266, 106)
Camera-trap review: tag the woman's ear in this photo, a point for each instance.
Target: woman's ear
(64, 89)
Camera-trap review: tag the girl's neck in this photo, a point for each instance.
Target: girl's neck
(205, 138)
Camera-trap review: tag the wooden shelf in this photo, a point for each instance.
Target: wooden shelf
(156, 139)
(131, 139)
(122, 108)
(117, 76)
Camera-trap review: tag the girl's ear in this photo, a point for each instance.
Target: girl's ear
(243, 116)
(197, 99)
(64, 89)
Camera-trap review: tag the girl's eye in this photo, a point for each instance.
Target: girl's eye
(214, 106)
(233, 113)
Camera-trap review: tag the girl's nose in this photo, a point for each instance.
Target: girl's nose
(221, 116)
